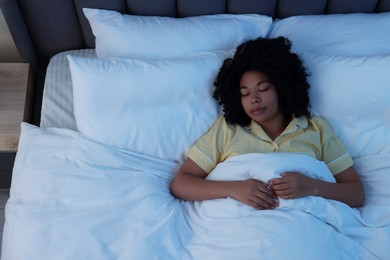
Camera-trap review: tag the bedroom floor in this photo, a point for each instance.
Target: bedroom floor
(4, 194)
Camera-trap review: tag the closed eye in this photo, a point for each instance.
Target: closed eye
(261, 86)
(244, 91)
(263, 89)
(264, 86)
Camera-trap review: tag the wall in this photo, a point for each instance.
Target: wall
(8, 51)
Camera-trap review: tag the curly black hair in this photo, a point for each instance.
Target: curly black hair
(274, 58)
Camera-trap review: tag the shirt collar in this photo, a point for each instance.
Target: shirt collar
(300, 121)
(296, 122)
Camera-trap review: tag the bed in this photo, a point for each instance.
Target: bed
(123, 88)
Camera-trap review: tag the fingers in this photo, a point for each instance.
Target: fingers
(254, 193)
(280, 186)
(286, 193)
(285, 178)
(263, 197)
(290, 185)
(261, 204)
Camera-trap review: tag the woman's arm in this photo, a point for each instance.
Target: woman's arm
(190, 184)
(347, 189)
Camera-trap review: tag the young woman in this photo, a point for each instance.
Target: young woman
(264, 93)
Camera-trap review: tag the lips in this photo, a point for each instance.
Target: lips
(258, 110)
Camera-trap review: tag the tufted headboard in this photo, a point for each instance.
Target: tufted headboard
(43, 28)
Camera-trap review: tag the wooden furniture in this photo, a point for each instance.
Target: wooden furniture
(15, 102)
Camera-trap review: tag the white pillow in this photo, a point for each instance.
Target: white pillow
(337, 34)
(151, 37)
(353, 94)
(156, 107)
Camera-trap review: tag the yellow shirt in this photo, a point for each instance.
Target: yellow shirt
(311, 136)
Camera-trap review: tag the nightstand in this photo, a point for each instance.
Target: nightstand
(15, 107)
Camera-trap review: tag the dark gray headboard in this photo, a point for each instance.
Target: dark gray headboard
(43, 28)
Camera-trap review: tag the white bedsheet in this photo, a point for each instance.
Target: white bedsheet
(73, 198)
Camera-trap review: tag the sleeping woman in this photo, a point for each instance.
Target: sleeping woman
(263, 90)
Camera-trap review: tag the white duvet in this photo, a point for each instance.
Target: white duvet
(73, 198)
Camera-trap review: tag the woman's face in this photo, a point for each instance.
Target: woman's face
(259, 98)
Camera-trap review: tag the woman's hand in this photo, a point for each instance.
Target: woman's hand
(348, 187)
(254, 193)
(190, 183)
(294, 185)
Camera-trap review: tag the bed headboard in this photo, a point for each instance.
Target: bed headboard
(43, 28)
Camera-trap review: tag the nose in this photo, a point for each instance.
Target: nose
(255, 99)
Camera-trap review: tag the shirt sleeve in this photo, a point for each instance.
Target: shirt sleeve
(207, 150)
(334, 153)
